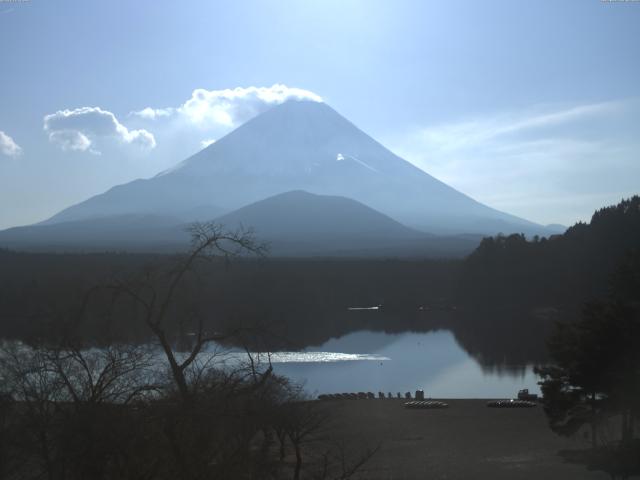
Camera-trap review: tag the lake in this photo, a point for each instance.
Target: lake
(374, 361)
(400, 362)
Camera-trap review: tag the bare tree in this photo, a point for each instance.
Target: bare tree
(305, 423)
(209, 241)
(320, 453)
(338, 463)
(72, 406)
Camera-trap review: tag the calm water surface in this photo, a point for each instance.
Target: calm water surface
(365, 361)
(376, 361)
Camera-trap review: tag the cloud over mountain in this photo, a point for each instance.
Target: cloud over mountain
(8, 146)
(78, 129)
(228, 107)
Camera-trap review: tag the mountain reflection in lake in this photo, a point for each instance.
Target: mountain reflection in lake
(432, 361)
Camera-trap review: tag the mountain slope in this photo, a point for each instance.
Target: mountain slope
(132, 232)
(302, 145)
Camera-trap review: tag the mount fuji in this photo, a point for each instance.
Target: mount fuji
(295, 146)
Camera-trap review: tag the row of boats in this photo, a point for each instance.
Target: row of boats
(511, 403)
(524, 400)
(425, 404)
(370, 395)
(348, 396)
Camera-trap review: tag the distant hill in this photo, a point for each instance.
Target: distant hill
(318, 222)
(294, 223)
(299, 223)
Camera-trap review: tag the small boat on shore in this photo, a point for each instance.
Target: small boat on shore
(425, 404)
(511, 403)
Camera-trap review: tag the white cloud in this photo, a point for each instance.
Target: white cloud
(525, 161)
(471, 133)
(78, 129)
(154, 113)
(229, 107)
(70, 140)
(8, 146)
(207, 142)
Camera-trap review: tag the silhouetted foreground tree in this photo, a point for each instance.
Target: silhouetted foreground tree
(595, 370)
(70, 411)
(594, 375)
(154, 293)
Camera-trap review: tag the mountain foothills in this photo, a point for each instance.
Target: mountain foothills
(302, 157)
(295, 223)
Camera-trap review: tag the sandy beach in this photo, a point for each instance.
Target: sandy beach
(468, 440)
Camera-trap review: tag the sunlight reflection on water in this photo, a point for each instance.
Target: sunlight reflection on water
(400, 362)
(322, 357)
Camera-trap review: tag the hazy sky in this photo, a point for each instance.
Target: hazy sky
(531, 107)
